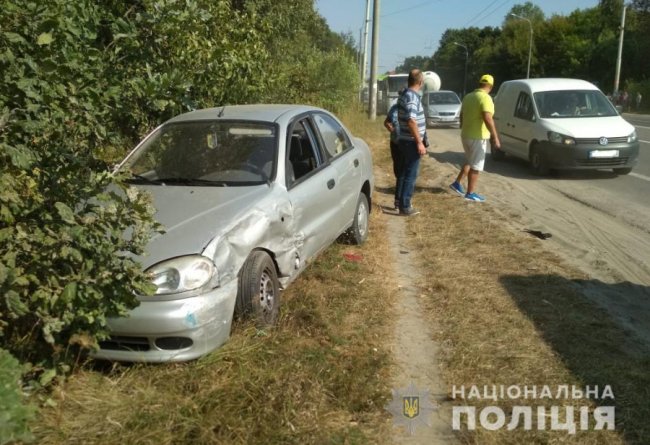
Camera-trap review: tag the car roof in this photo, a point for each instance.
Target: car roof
(256, 112)
(554, 84)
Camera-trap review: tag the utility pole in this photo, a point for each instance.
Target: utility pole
(372, 109)
(530, 41)
(466, 59)
(617, 77)
(364, 62)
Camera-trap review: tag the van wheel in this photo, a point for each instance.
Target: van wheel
(537, 162)
(258, 295)
(622, 171)
(497, 155)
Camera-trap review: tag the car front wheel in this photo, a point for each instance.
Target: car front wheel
(259, 292)
(622, 171)
(498, 155)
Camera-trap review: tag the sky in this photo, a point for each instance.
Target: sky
(414, 27)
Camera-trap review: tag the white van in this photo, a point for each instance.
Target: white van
(562, 124)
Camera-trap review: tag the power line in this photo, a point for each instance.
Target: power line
(409, 8)
(482, 11)
(501, 5)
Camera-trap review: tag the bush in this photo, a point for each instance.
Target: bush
(65, 263)
(14, 414)
(80, 82)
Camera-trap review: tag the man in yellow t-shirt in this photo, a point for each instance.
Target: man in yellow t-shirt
(477, 129)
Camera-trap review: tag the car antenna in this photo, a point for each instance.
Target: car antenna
(221, 112)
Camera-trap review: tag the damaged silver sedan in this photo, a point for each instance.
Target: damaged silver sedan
(248, 196)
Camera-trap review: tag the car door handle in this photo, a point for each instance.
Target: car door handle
(356, 162)
(330, 184)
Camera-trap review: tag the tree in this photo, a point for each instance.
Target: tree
(529, 10)
(423, 63)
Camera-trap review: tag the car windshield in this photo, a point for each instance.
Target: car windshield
(443, 98)
(573, 104)
(208, 153)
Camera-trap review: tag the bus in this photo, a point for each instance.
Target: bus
(387, 90)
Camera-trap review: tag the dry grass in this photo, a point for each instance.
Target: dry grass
(511, 313)
(505, 312)
(320, 377)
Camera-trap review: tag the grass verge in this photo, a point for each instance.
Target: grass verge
(510, 312)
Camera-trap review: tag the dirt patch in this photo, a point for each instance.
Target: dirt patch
(415, 352)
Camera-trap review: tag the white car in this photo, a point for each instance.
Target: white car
(248, 196)
(562, 124)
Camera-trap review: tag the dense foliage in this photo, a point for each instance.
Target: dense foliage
(80, 82)
(583, 44)
(14, 414)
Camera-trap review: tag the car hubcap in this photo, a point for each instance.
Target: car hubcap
(362, 220)
(267, 296)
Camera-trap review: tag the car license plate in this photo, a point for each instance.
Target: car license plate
(603, 154)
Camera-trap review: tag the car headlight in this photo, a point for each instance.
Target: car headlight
(433, 113)
(561, 139)
(183, 274)
(632, 137)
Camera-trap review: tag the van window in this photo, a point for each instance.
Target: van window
(573, 104)
(524, 108)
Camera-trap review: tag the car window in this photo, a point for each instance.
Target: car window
(302, 152)
(524, 108)
(334, 136)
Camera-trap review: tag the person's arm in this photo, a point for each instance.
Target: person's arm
(489, 123)
(413, 128)
(391, 117)
(388, 124)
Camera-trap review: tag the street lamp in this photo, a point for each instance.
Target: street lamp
(466, 58)
(530, 41)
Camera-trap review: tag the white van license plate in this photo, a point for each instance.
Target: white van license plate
(603, 154)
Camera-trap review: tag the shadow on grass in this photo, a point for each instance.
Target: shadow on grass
(591, 343)
(418, 189)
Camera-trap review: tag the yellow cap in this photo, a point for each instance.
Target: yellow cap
(486, 78)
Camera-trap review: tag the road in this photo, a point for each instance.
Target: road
(600, 222)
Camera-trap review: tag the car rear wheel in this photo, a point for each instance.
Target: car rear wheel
(358, 232)
(537, 162)
(259, 292)
(622, 171)
(497, 155)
